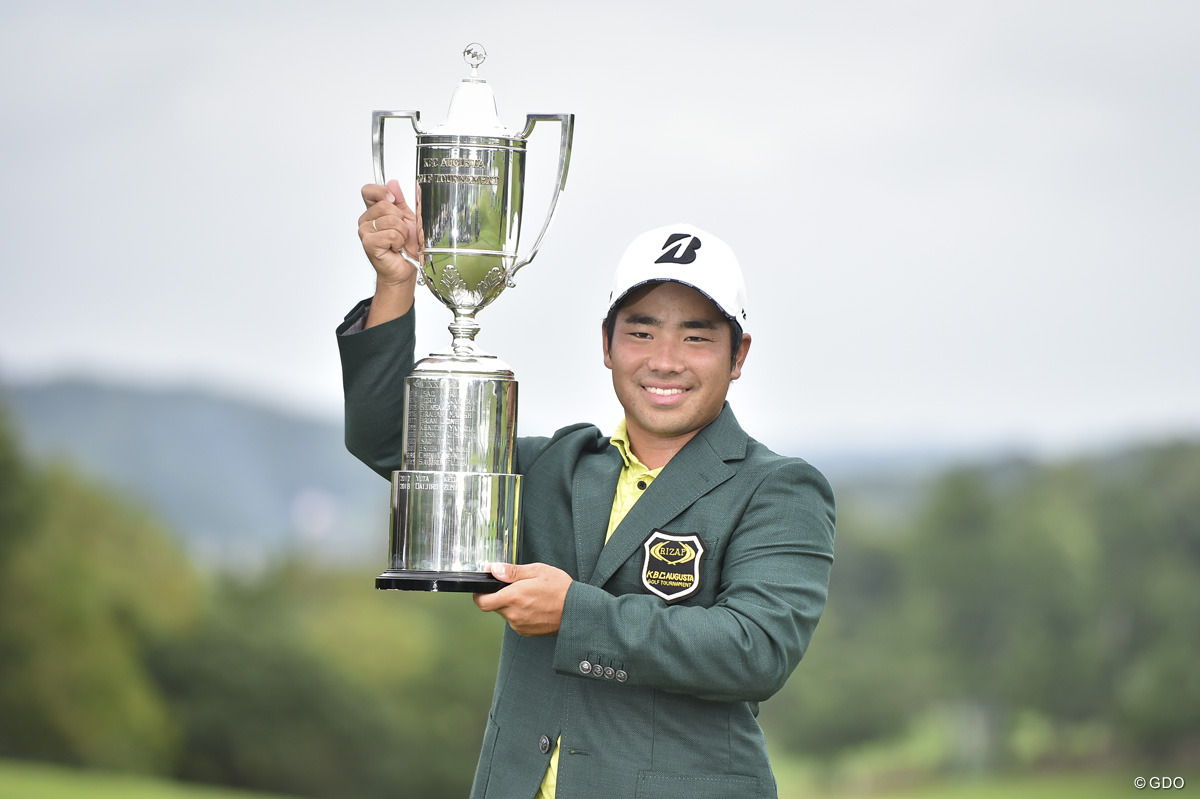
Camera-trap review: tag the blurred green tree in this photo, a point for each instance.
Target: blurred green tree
(1059, 592)
(84, 579)
(1148, 514)
(19, 495)
(310, 682)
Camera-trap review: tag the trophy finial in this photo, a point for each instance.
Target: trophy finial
(474, 55)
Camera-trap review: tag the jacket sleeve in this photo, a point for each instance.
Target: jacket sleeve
(374, 364)
(773, 584)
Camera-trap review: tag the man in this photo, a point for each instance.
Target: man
(670, 576)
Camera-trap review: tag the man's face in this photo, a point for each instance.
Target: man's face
(670, 363)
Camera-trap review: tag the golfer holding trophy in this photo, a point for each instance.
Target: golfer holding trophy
(671, 572)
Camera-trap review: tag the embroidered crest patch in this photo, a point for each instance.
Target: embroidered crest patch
(671, 568)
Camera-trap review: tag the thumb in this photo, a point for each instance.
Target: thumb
(511, 572)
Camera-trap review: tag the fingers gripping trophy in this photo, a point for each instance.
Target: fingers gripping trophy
(455, 501)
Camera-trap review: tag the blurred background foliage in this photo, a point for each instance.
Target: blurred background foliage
(1000, 617)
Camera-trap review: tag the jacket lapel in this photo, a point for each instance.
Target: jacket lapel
(694, 471)
(592, 493)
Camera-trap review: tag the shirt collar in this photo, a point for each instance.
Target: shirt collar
(620, 440)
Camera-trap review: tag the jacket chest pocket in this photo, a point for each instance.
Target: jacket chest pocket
(665, 785)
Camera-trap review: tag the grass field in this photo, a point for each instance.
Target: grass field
(36, 781)
(1062, 786)
(1059, 786)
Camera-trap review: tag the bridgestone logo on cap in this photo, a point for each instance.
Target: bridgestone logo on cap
(674, 251)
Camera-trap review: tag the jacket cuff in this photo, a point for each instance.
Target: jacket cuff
(576, 654)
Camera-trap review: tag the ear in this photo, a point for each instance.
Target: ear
(742, 352)
(604, 345)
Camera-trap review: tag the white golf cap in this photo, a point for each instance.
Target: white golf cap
(684, 254)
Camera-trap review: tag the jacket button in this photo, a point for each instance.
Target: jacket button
(585, 667)
(609, 673)
(544, 744)
(621, 675)
(597, 670)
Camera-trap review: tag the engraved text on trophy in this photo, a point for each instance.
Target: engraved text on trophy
(471, 205)
(453, 425)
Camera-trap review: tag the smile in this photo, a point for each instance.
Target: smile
(664, 392)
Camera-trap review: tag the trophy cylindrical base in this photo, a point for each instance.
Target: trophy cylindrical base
(453, 522)
(456, 582)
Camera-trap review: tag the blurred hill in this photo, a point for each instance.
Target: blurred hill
(241, 483)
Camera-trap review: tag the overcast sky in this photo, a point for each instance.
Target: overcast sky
(960, 221)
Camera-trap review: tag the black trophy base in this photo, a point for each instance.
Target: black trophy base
(456, 582)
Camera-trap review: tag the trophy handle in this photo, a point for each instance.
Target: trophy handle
(377, 118)
(567, 123)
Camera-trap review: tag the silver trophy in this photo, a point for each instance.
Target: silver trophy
(455, 501)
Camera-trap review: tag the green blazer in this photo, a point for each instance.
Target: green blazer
(653, 688)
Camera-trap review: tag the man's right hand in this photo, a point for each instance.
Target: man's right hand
(388, 227)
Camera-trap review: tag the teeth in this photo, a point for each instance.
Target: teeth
(664, 391)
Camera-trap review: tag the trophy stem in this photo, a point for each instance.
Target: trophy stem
(463, 328)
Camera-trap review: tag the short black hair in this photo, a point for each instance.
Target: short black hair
(735, 329)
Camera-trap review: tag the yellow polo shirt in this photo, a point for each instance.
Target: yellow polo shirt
(634, 480)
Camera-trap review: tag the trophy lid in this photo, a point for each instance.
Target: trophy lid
(473, 109)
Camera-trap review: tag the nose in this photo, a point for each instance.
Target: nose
(666, 356)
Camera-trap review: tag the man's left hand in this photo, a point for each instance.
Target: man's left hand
(532, 602)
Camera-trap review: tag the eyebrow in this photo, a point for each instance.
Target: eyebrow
(654, 321)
